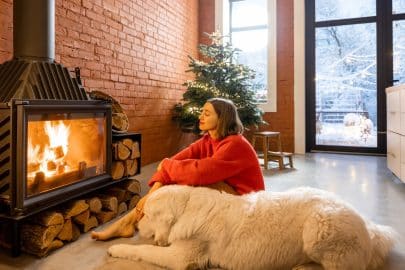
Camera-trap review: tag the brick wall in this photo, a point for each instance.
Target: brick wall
(6, 29)
(134, 50)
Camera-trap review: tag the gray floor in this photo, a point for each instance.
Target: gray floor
(364, 181)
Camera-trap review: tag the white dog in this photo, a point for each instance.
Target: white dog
(302, 228)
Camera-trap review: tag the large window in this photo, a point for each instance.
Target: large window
(251, 27)
(248, 29)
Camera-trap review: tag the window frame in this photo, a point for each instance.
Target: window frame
(222, 24)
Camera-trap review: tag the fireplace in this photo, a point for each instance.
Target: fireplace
(55, 142)
(56, 150)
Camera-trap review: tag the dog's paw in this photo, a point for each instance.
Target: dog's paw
(123, 251)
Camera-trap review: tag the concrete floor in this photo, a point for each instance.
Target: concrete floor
(364, 181)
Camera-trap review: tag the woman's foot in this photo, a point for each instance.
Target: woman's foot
(124, 227)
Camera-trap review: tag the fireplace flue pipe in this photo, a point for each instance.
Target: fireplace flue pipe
(34, 30)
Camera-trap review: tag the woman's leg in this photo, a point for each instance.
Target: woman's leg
(125, 226)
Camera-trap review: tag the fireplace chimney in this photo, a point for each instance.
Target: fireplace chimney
(34, 30)
(33, 73)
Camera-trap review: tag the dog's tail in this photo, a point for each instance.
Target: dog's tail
(382, 240)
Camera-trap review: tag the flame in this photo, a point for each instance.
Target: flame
(51, 157)
(58, 135)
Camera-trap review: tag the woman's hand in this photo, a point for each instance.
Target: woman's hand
(160, 164)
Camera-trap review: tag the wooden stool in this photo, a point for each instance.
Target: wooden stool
(278, 155)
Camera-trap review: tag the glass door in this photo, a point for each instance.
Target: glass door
(348, 68)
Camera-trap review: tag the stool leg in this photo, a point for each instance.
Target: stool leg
(279, 143)
(291, 161)
(281, 163)
(265, 152)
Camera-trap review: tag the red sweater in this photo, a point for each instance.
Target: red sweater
(208, 161)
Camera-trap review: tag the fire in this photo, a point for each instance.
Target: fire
(50, 158)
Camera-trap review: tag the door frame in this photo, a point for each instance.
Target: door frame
(383, 21)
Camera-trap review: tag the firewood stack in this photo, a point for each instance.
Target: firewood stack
(125, 158)
(51, 229)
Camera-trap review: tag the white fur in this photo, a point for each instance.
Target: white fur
(302, 228)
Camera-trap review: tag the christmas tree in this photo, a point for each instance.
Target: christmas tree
(220, 77)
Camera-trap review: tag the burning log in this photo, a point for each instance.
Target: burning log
(82, 168)
(51, 165)
(42, 183)
(60, 169)
(58, 152)
(33, 166)
(33, 185)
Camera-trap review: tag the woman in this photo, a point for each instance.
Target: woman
(222, 159)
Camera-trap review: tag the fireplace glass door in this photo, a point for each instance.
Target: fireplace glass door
(64, 148)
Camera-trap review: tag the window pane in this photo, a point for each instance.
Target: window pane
(254, 54)
(249, 13)
(398, 6)
(398, 34)
(346, 100)
(343, 9)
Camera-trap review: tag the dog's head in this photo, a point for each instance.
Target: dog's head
(161, 211)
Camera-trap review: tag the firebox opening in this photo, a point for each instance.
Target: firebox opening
(64, 148)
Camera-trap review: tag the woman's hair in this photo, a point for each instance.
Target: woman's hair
(228, 118)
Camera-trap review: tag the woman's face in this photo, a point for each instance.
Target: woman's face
(208, 118)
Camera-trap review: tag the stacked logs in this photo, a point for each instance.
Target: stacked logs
(51, 229)
(125, 158)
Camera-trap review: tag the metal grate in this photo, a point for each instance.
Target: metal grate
(26, 79)
(5, 154)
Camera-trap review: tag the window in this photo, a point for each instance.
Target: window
(251, 27)
(354, 50)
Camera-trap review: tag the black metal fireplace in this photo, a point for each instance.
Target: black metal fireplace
(54, 141)
(55, 150)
